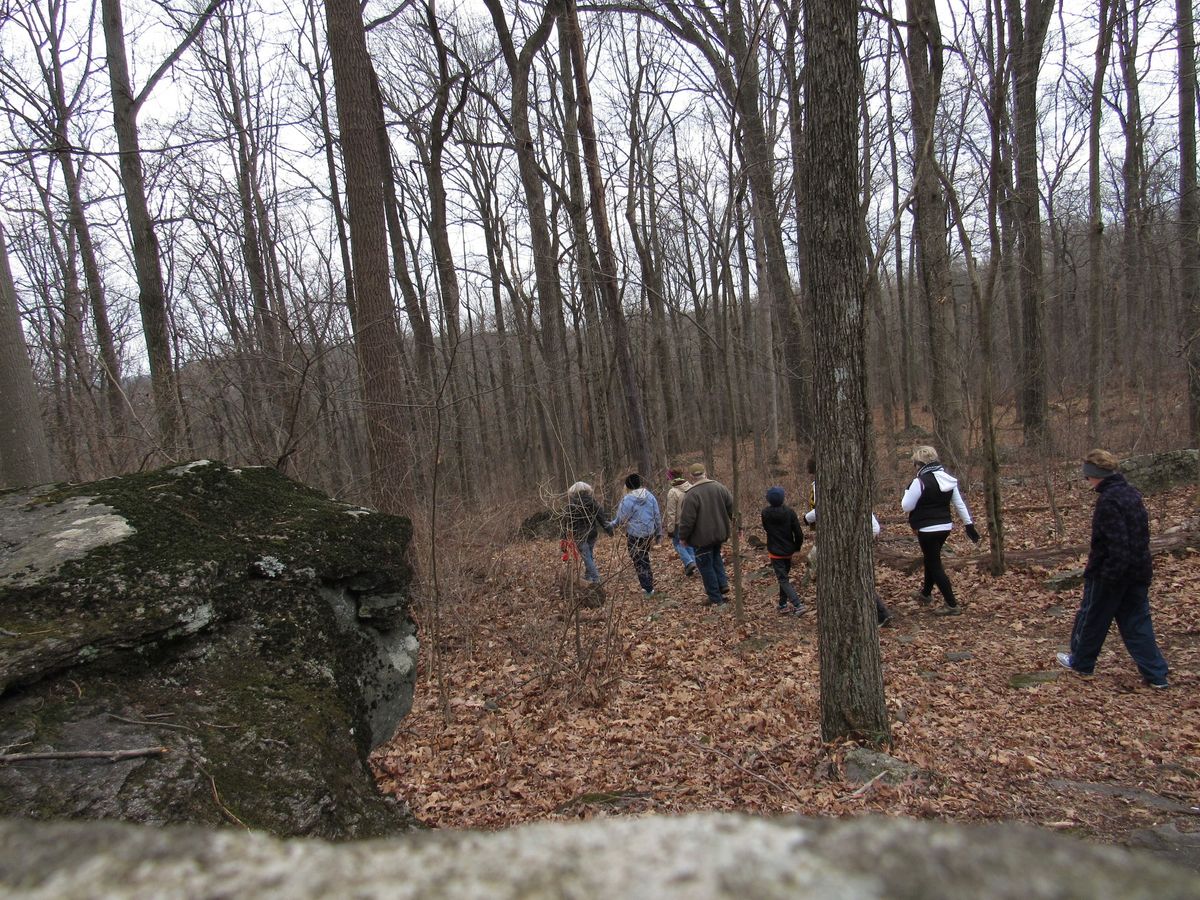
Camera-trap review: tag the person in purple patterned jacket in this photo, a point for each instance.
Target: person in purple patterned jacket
(1117, 577)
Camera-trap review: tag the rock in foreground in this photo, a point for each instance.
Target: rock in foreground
(695, 857)
(252, 627)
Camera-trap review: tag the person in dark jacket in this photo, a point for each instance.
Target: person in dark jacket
(1116, 580)
(582, 522)
(784, 537)
(705, 523)
(927, 502)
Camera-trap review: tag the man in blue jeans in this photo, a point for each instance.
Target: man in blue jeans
(704, 524)
(1117, 577)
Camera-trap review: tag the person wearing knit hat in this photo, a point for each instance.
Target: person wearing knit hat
(784, 537)
(582, 521)
(642, 520)
(927, 502)
(1116, 580)
(675, 494)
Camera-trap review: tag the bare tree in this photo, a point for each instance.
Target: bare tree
(377, 338)
(1027, 34)
(852, 700)
(1189, 208)
(925, 77)
(152, 297)
(24, 451)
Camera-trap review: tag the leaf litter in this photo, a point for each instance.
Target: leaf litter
(554, 711)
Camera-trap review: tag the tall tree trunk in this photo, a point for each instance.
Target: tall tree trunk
(545, 259)
(377, 337)
(1027, 34)
(1127, 30)
(24, 450)
(1189, 210)
(152, 300)
(606, 257)
(925, 76)
(1096, 277)
(852, 699)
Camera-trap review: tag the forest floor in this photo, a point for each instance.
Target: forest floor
(665, 705)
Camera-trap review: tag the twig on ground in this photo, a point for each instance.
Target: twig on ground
(108, 755)
(145, 722)
(866, 787)
(784, 788)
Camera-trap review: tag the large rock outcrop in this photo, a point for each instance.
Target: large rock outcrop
(698, 857)
(255, 629)
(1153, 472)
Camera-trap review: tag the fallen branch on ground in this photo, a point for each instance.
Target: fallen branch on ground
(107, 755)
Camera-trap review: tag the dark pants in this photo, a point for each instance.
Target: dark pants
(712, 571)
(1129, 604)
(881, 611)
(783, 572)
(931, 555)
(639, 552)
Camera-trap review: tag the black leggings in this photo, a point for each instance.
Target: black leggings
(931, 554)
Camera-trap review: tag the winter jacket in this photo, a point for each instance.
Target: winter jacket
(584, 517)
(928, 498)
(1120, 548)
(782, 526)
(639, 514)
(706, 513)
(674, 500)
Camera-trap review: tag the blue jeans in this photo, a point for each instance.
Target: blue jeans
(783, 573)
(1129, 604)
(639, 552)
(686, 554)
(586, 547)
(712, 570)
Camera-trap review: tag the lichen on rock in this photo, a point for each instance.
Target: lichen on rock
(239, 619)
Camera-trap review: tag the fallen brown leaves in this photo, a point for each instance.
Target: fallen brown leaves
(663, 705)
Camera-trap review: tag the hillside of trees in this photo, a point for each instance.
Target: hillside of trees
(376, 249)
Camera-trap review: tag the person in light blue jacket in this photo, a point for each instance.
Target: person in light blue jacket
(639, 515)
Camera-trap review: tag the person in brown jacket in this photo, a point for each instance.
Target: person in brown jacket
(679, 488)
(705, 521)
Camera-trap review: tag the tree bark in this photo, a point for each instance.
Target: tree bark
(152, 299)
(1096, 225)
(1027, 34)
(606, 257)
(1189, 209)
(946, 386)
(377, 337)
(852, 699)
(24, 450)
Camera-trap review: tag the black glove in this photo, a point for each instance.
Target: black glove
(972, 533)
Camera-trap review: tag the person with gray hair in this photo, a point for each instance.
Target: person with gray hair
(927, 502)
(582, 522)
(1116, 580)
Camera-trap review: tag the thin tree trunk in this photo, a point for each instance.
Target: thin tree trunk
(1189, 210)
(24, 450)
(607, 274)
(152, 299)
(1096, 276)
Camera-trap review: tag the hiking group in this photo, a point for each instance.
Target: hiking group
(699, 519)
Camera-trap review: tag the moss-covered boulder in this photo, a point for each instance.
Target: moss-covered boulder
(254, 628)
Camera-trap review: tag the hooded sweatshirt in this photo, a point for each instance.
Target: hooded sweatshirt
(928, 498)
(639, 514)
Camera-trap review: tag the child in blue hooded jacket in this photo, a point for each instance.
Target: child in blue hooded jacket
(641, 518)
